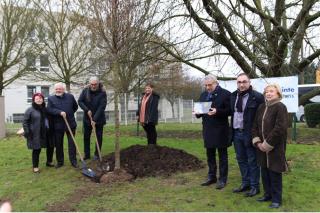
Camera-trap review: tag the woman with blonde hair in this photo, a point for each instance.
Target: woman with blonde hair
(269, 137)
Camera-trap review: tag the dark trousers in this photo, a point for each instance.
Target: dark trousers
(35, 157)
(59, 147)
(49, 152)
(223, 164)
(272, 184)
(151, 132)
(247, 160)
(87, 130)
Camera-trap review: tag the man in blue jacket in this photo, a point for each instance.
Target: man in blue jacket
(62, 105)
(93, 101)
(244, 104)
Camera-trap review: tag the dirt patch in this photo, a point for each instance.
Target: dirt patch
(143, 161)
(68, 205)
(136, 161)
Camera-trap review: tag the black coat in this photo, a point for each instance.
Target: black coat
(35, 134)
(151, 114)
(65, 103)
(254, 100)
(96, 102)
(216, 127)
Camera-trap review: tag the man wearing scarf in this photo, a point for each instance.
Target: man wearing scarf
(215, 129)
(244, 104)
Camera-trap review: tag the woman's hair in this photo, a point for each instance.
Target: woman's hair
(37, 94)
(149, 85)
(276, 86)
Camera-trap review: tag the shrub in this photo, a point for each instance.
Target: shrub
(312, 114)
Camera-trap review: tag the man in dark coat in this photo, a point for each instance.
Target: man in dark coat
(244, 104)
(93, 101)
(63, 105)
(216, 130)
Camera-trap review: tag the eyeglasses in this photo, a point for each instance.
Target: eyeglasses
(93, 84)
(242, 82)
(208, 85)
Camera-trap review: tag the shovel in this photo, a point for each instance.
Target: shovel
(103, 167)
(85, 171)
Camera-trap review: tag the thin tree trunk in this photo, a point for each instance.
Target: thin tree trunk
(117, 131)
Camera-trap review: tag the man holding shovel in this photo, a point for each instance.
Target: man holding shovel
(63, 106)
(93, 101)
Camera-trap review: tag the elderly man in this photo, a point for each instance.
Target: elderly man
(61, 105)
(244, 104)
(216, 130)
(93, 101)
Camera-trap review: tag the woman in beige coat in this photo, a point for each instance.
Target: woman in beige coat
(269, 137)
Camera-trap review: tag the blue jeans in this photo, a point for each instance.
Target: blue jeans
(246, 157)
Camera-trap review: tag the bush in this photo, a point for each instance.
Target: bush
(312, 114)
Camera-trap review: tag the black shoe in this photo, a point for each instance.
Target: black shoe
(75, 165)
(242, 188)
(264, 198)
(220, 185)
(209, 182)
(274, 205)
(49, 164)
(252, 192)
(58, 166)
(85, 158)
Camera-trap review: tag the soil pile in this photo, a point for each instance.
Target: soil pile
(143, 161)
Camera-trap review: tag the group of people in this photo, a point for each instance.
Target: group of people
(258, 132)
(45, 126)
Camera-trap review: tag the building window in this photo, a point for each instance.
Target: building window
(31, 61)
(34, 89)
(31, 90)
(45, 92)
(44, 63)
(17, 117)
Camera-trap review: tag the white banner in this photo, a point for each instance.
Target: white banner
(289, 86)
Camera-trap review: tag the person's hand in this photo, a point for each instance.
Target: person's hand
(89, 113)
(212, 111)
(261, 147)
(63, 114)
(6, 207)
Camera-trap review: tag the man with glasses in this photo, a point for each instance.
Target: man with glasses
(244, 104)
(93, 101)
(215, 130)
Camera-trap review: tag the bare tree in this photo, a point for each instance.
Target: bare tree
(17, 20)
(123, 29)
(66, 42)
(263, 35)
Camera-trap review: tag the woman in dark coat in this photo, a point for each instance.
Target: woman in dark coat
(148, 113)
(36, 126)
(269, 137)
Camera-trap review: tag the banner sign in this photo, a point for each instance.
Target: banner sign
(289, 86)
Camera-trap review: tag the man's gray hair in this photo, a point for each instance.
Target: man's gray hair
(93, 78)
(211, 77)
(60, 84)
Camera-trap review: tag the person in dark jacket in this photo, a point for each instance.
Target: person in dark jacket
(93, 101)
(147, 113)
(35, 126)
(269, 137)
(244, 104)
(216, 130)
(63, 105)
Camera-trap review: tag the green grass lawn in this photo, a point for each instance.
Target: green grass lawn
(180, 192)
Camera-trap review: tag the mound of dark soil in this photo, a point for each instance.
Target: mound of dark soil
(143, 161)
